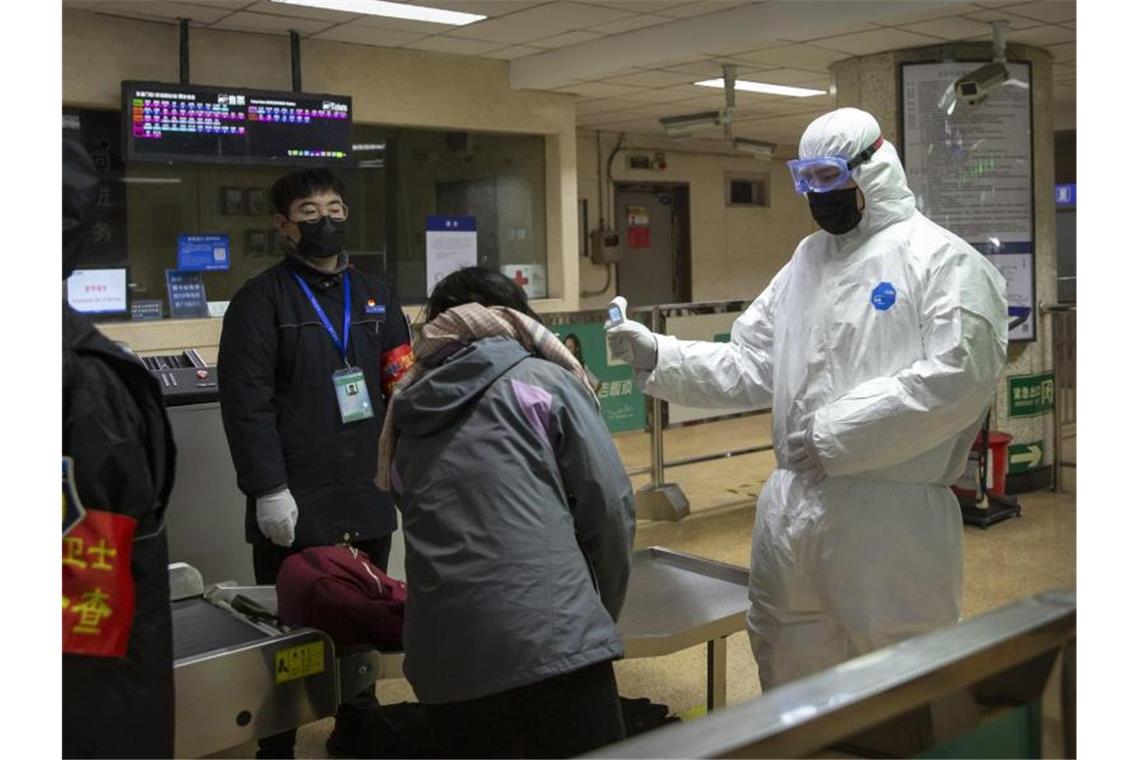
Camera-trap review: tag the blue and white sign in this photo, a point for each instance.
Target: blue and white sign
(203, 253)
(451, 243)
(187, 295)
(1067, 195)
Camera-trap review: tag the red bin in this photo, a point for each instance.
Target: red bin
(999, 461)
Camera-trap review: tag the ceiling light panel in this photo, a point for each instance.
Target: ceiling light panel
(405, 11)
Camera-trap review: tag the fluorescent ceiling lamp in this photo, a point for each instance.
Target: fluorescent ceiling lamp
(369, 146)
(768, 89)
(391, 10)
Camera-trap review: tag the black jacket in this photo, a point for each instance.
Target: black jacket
(116, 432)
(275, 368)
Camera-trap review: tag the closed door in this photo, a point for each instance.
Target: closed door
(648, 272)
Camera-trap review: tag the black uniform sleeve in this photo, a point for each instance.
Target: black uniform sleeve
(247, 358)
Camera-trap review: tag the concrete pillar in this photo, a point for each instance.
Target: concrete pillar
(872, 84)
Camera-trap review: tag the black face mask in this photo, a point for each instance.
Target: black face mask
(836, 212)
(321, 239)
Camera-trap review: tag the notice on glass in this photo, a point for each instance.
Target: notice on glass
(971, 168)
(451, 245)
(971, 171)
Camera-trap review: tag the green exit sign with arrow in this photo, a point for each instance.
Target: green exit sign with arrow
(1026, 456)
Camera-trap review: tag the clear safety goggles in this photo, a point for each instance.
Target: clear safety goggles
(824, 174)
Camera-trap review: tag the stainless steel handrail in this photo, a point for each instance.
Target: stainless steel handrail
(802, 717)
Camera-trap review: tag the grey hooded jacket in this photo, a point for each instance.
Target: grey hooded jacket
(518, 523)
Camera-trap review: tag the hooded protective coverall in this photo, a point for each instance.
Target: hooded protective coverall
(884, 344)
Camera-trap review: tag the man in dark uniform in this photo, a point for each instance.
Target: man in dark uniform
(310, 350)
(118, 468)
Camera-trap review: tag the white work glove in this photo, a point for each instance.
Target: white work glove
(803, 458)
(277, 516)
(633, 343)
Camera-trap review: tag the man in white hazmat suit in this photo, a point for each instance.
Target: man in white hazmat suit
(878, 347)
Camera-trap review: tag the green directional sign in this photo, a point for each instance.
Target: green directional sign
(1030, 395)
(1026, 456)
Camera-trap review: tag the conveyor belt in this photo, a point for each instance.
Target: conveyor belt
(202, 627)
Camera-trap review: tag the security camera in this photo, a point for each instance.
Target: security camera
(685, 124)
(976, 86)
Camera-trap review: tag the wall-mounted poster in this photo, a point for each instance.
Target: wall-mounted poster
(971, 170)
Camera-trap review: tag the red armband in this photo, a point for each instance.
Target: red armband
(394, 365)
(98, 588)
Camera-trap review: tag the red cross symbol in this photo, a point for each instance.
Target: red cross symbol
(521, 279)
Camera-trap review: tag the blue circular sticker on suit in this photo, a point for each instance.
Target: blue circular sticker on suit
(883, 296)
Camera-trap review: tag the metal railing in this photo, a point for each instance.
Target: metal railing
(655, 317)
(914, 695)
(1063, 321)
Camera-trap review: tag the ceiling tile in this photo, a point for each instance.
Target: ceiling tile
(933, 11)
(456, 45)
(1042, 35)
(794, 77)
(800, 56)
(566, 39)
(866, 43)
(300, 11)
(1051, 11)
(231, 4)
(601, 105)
(701, 8)
(953, 28)
(404, 25)
(1064, 53)
(597, 90)
(651, 78)
(825, 30)
(533, 24)
(164, 11)
(642, 6)
(511, 53)
(1015, 22)
(710, 69)
(629, 24)
(246, 21)
(489, 8)
(368, 35)
(664, 94)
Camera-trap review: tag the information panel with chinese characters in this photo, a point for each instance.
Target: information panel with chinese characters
(187, 294)
(98, 291)
(178, 122)
(971, 170)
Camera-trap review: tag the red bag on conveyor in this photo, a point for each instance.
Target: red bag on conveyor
(336, 589)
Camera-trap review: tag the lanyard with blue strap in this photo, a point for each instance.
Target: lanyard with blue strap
(340, 342)
(351, 388)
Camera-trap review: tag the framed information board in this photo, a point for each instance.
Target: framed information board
(971, 170)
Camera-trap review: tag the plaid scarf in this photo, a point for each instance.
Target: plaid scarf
(464, 325)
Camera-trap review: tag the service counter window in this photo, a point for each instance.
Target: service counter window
(397, 179)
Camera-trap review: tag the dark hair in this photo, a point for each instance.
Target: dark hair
(301, 183)
(477, 285)
(577, 350)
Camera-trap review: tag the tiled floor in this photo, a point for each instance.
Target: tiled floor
(1003, 563)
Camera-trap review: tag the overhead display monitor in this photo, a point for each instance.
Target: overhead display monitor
(197, 123)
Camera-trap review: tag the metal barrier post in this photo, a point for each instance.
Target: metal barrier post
(659, 500)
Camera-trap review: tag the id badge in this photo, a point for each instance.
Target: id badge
(352, 395)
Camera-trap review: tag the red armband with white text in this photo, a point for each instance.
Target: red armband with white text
(394, 365)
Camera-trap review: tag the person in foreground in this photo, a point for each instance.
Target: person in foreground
(518, 521)
(878, 348)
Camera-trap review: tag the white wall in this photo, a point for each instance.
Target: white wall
(735, 251)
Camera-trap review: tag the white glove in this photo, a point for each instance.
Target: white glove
(277, 516)
(803, 457)
(633, 343)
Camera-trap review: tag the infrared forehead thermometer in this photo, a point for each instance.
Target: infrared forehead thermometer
(616, 310)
